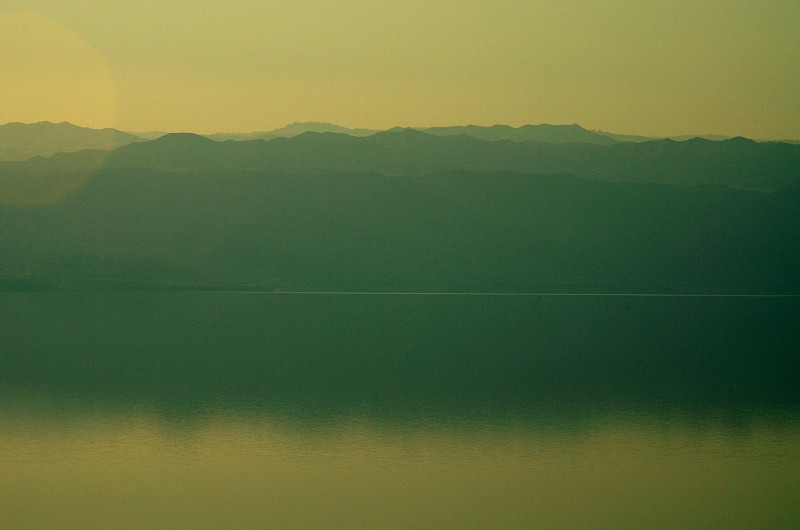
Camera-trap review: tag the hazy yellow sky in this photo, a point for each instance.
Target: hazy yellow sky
(655, 67)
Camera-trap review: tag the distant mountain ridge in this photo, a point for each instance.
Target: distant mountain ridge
(735, 163)
(558, 134)
(21, 141)
(293, 129)
(540, 133)
(680, 138)
(738, 162)
(406, 210)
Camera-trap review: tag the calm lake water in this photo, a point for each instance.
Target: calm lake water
(244, 410)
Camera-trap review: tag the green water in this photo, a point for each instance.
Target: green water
(244, 410)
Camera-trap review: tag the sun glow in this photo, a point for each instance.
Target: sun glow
(52, 74)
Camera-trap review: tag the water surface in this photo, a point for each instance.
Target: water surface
(246, 410)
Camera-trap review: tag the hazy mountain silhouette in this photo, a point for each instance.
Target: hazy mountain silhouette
(628, 137)
(291, 130)
(558, 134)
(148, 135)
(298, 128)
(712, 137)
(540, 133)
(681, 138)
(737, 162)
(240, 137)
(404, 210)
(21, 141)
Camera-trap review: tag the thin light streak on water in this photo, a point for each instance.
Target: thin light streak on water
(490, 294)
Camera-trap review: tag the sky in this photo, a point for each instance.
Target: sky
(656, 67)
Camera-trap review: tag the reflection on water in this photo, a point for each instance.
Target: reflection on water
(143, 410)
(133, 471)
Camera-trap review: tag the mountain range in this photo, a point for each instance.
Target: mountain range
(406, 210)
(20, 141)
(737, 163)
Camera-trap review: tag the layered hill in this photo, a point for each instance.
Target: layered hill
(541, 133)
(406, 210)
(737, 162)
(557, 134)
(293, 129)
(22, 141)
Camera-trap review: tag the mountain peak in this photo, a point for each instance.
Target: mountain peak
(297, 128)
(740, 140)
(182, 139)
